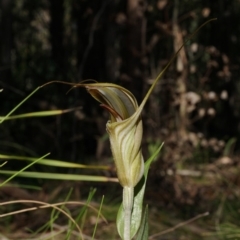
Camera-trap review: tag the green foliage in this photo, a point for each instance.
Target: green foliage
(137, 217)
(143, 229)
(229, 147)
(229, 231)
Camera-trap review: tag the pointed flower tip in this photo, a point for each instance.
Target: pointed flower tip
(118, 101)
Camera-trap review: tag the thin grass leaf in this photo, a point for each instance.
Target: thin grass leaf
(63, 207)
(20, 172)
(57, 176)
(54, 163)
(54, 216)
(38, 114)
(85, 208)
(99, 212)
(14, 109)
(1, 165)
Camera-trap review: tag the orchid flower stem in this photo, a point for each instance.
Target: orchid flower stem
(128, 194)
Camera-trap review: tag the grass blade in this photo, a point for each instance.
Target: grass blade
(56, 176)
(20, 172)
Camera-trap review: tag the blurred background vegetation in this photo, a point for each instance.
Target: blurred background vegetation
(195, 108)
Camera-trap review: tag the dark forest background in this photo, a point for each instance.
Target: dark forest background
(195, 108)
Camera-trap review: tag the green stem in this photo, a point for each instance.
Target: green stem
(128, 195)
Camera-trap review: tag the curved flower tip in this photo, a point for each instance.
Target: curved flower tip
(124, 129)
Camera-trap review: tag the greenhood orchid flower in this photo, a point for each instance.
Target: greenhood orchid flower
(124, 129)
(125, 133)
